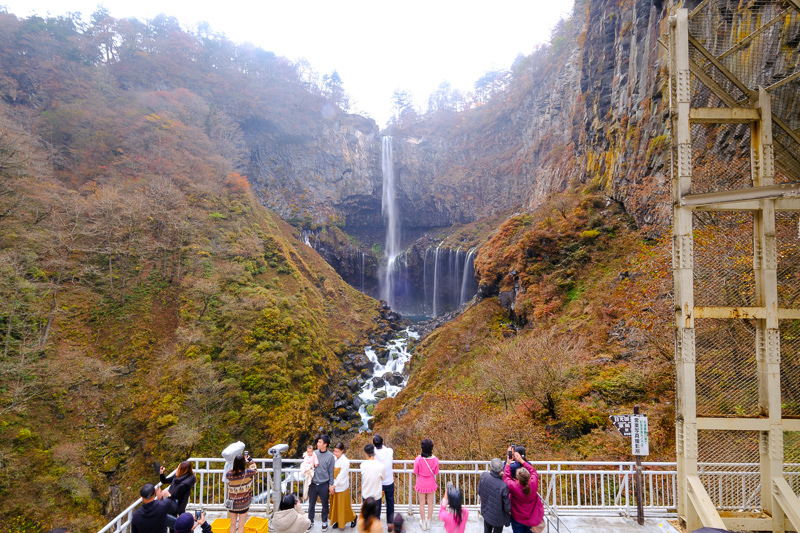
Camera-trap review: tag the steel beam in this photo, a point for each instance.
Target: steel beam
(781, 204)
(723, 115)
(768, 192)
(786, 498)
(704, 507)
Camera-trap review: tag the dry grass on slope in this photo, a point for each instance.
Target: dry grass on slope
(594, 339)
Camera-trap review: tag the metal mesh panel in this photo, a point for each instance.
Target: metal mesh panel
(790, 367)
(723, 259)
(726, 371)
(720, 157)
(717, 76)
(791, 459)
(736, 454)
(787, 156)
(787, 236)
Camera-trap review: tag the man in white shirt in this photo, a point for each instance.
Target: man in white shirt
(372, 473)
(385, 455)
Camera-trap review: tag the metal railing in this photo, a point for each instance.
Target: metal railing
(567, 487)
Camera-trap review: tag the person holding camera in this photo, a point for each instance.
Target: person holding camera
(289, 518)
(186, 523)
(151, 517)
(240, 490)
(495, 503)
(527, 509)
(451, 512)
(180, 486)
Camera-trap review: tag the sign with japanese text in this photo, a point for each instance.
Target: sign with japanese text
(622, 423)
(640, 441)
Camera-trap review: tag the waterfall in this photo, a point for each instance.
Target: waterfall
(436, 280)
(362, 270)
(468, 278)
(392, 218)
(425, 282)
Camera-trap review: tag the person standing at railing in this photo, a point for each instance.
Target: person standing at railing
(151, 517)
(426, 467)
(341, 510)
(385, 455)
(495, 502)
(451, 512)
(527, 509)
(321, 482)
(372, 474)
(240, 490)
(180, 485)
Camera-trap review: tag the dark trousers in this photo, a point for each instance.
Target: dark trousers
(488, 528)
(388, 493)
(516, 527)
(321, 490)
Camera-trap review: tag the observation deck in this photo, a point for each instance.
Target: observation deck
(579, 496)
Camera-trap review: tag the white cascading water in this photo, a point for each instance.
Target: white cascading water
(396, 362)
(436, 280)
(392, 218)
(469, 274)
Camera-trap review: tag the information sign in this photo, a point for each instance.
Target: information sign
(622, 423)
(639, 438)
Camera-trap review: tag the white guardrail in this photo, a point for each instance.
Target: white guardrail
(566, 487)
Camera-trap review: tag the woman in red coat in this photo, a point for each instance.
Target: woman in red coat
(527, 509)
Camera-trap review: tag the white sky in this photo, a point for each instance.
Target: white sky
(376, 47)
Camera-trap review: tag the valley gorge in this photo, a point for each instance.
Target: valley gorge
(199, 247)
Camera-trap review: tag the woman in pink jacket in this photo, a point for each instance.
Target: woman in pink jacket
(426, 467)
(452, 513)
(527, 509)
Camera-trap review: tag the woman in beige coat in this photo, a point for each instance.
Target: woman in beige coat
(290, 517)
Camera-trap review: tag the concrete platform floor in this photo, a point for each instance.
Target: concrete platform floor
(574, 524)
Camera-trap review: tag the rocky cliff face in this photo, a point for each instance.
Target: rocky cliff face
(587, 107)
(591, 107)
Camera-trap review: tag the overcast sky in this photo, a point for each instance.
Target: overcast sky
(375, 46)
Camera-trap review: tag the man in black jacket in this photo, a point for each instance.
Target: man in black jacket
(152, 515)
(495, 503)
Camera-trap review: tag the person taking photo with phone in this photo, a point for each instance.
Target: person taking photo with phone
(527, 509)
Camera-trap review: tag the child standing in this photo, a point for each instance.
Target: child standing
(310, 462)
(426, 467)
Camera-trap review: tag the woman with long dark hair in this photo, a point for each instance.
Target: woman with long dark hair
(341, 510)
(527, 510)
(180, 485)
(370, 520)
(452, 513)
(426, 467)
(289, 518)
(240, 490)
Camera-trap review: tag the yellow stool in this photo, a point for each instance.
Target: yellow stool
(221, 525)
(256, 525)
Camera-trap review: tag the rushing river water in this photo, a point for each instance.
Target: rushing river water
(398, 356)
